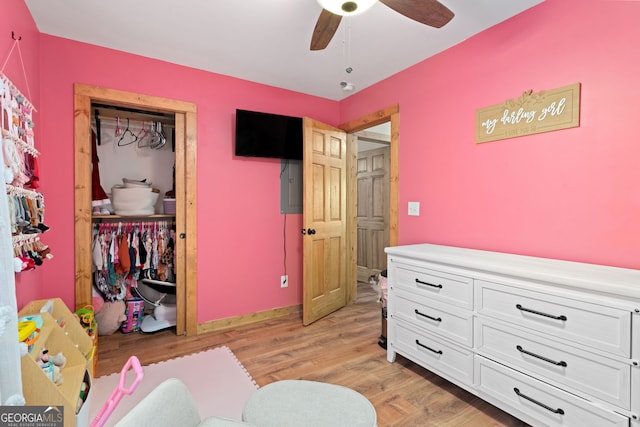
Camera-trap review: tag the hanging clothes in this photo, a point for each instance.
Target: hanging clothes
(123, 253)
(98, 195)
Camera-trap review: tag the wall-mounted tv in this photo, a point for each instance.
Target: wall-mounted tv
(268, 135)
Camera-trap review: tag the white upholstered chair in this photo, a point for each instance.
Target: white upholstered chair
(171, 404)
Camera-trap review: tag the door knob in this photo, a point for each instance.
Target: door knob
(311, 231)
(303, 231)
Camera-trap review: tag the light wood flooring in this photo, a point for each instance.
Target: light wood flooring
(341, 348)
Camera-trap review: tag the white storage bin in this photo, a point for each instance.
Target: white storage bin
(133, 200)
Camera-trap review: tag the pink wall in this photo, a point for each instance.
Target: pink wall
(16, 17)
(570, 194)
(240, 229)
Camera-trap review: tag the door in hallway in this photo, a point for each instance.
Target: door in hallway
(373, 211)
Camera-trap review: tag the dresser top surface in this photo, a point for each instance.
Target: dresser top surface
(621, 282)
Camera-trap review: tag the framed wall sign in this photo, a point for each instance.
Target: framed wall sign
(533, 112)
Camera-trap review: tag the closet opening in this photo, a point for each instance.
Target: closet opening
(135, 237)
(133, 211)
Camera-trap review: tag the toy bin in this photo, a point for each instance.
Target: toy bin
(74, 391)
(69, 323)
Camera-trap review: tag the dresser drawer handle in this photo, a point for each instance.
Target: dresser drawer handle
(428, 284)
(428, 348)
(530, 399)
(435, 319)
(539, 313)
(546, 359)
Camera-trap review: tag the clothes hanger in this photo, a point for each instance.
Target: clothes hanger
(159, 139)
(163, 136)
(118, 130)
(126, 132)
(142, 135)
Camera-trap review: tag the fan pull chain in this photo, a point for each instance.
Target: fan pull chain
(347, 45)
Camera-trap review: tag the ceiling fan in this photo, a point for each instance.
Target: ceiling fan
(427, 12)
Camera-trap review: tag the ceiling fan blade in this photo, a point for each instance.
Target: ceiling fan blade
(325, 29)
(428, 12)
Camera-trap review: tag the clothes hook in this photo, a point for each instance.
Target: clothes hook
(13, 36)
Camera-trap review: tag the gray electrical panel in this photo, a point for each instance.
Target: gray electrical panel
(291, 186)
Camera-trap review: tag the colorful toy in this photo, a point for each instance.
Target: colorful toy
(29, 330)
(52, 365)
(120, 390)
(85, 316)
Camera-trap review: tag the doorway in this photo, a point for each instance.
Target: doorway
(390, 115)
(342, 253)
(373, 200)
(185, 189)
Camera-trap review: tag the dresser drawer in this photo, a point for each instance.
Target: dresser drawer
(539, 401)
(585, 373)
(455, 323)
(449, 288)
(600, 327)
(432, 352)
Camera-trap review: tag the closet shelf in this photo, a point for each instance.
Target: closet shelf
(153, 217)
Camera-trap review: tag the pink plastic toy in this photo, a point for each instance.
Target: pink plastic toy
(116, 396)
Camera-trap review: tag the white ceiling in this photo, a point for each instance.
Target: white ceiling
(267, 41)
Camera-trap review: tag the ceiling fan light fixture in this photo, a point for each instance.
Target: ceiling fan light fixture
(346, 7)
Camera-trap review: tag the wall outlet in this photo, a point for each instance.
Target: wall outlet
(284, 281)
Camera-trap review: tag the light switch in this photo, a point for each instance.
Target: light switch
(414, 208)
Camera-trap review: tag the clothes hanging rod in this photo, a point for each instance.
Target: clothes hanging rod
(134, 118)
(109, 112)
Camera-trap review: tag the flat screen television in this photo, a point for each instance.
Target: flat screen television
(268, 135)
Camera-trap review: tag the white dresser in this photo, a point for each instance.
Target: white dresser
(554, 343)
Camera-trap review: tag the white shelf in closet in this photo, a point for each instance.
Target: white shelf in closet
(153, 217)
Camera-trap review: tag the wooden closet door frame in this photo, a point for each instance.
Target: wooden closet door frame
(186, 206)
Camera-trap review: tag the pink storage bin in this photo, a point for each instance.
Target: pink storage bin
(134, 313)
